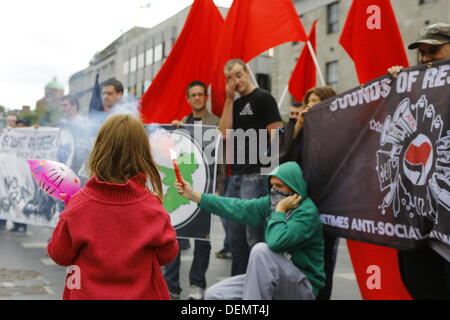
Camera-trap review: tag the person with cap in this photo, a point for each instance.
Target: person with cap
(425, 273)
(433, 44)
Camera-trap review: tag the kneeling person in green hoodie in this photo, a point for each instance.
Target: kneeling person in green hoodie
(289, 264)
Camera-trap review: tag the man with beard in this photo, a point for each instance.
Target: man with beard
(425, 273)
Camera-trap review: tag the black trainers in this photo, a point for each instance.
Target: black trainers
(18, 230)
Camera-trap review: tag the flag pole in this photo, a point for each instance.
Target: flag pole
(283, 96)
(316, 63)
(252, 75)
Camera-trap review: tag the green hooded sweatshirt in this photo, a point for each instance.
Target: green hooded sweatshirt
(301, 235)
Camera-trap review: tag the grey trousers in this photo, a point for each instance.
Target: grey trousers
(270, 276)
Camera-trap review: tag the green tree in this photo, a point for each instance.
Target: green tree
(31, 117)
(48, 116)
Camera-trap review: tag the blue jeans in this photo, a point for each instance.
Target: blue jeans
(242, 238)
(197, 272)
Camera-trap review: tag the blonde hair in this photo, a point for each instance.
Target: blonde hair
(122, 151)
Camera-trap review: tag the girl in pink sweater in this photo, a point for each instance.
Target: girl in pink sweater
(115, 232)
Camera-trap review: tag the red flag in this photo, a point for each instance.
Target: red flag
(191, 59)
(252, 27)
(370, 30)
(372, 39)
(303, 77)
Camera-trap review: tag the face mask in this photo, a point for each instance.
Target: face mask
(276, 196)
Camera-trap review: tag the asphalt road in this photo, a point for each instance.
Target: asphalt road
(26, 272)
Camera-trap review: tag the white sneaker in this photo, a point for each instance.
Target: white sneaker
(196, 293)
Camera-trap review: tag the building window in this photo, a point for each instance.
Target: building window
(140, 61)
(147, 84)
(158, 52)
(126, 67)
(332, 74)
(421, 2)
(149, 57)
(133, 64)
(269, 53)
(333, 17)
(263, 81)
(167, 47)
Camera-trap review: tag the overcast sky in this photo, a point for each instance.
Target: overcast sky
(41, 39)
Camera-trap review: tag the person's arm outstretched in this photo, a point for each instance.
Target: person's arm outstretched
(250, 212)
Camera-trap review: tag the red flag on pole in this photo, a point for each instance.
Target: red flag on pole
(370, 28)
(190, 59)
(303, 77)
(252, 27)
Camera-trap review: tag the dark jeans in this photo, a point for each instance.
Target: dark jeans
(242, 238)
(425, 274)
(226, 243)
(16, 224)
(330, 253)
(198, 269)
(20, 225)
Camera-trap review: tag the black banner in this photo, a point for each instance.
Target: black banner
(377, 159)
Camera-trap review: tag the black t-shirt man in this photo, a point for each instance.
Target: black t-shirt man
(254, 111)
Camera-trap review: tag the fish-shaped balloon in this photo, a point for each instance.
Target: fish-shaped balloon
(55, 178)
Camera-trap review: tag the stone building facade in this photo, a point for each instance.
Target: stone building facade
(136, 57)
(337, 67)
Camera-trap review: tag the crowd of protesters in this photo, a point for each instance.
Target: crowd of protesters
(274, 235)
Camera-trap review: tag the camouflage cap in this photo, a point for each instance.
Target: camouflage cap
(437, 34)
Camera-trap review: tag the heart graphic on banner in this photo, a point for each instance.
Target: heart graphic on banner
(418, 160)
(418, 154)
